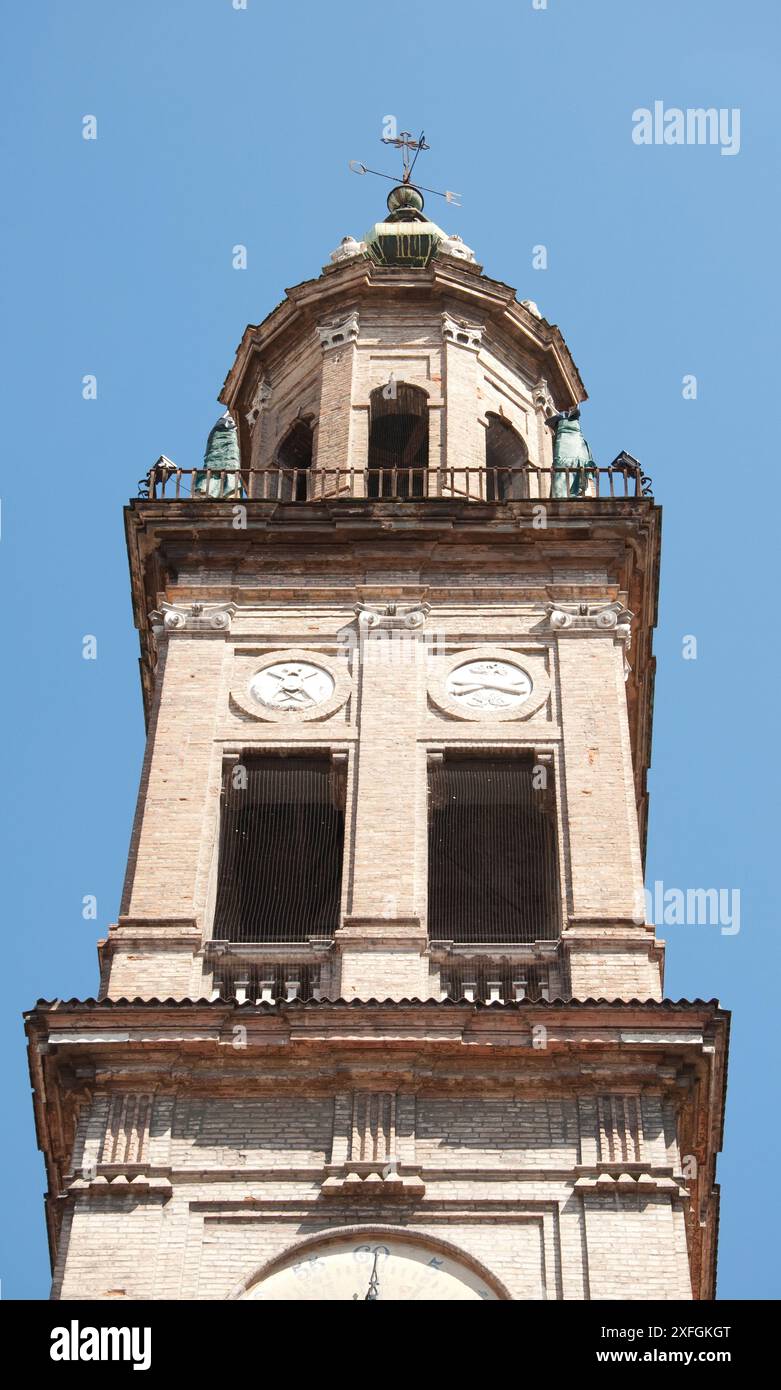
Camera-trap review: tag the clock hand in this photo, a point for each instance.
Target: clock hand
(373, 1290)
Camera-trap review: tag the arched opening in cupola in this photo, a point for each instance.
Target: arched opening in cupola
(293, 459)
(505, 458)
(398, 441)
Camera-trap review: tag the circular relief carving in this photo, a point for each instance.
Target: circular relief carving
(292, 685)
(488, 685)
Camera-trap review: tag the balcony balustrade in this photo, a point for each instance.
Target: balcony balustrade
(478, 979)
(624, 478)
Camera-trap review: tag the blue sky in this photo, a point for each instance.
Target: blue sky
(219, 126)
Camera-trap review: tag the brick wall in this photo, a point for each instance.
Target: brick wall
(244, 1179)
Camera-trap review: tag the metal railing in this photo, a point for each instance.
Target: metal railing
(624, 478)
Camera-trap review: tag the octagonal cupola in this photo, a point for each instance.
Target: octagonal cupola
(401, 371)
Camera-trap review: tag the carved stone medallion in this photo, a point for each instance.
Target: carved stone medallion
(488, 685)
(292, 685)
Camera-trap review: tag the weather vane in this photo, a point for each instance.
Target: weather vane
(407, 143)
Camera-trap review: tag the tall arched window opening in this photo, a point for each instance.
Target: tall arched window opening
(398, 441)
(294, 460)
(505, 455)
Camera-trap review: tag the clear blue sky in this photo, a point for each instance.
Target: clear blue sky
(219, 126)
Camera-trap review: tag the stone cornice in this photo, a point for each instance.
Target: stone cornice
(194, 1043)
(121, 1181)
(440, 1047)
(157, 933)
(45, 1007)
(572, 1023)
(350, 280)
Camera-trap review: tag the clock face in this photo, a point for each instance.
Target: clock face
(487, 685)
(292, 685)
(378, 1267)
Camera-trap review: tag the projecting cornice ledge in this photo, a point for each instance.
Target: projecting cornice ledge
(154, 931)
(629, 1179)
(598, 1025)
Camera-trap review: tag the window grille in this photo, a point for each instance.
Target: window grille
(281, 843)
(398, 441)
(492, 873)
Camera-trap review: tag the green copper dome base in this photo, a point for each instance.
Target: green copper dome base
(406, 237)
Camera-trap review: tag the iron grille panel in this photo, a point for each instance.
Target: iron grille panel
(493, 873)
(281, 843)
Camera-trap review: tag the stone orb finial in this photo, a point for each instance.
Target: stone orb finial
(403, 198)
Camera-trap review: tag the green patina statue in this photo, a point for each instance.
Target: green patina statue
(572, 458)
(222, 458)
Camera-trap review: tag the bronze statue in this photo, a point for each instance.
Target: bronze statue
(572, 458)
(222, 460)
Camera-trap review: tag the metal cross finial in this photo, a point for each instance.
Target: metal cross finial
(406, 143)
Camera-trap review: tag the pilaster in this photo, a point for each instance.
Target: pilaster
(152, 948)
(610, 951)
(382, 940)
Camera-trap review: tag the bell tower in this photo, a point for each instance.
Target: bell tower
(381, 1015)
